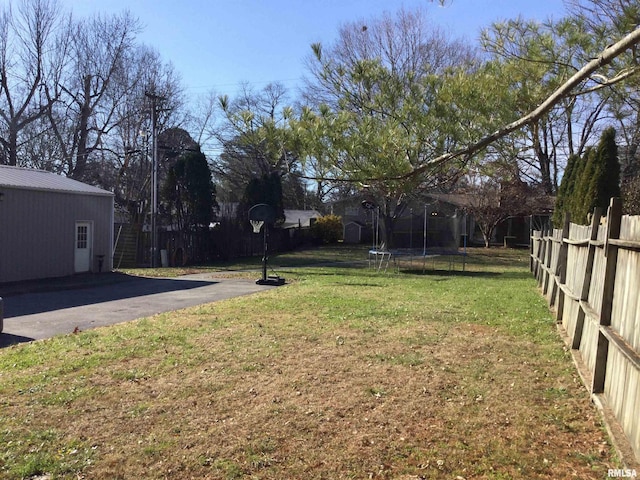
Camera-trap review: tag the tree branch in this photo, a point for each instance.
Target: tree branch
(606, 57)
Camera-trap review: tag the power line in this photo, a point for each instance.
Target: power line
(241, 83)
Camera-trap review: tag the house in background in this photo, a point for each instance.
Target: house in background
(433, 221)
(424, 223)
(293, 218)
(300, 218)
(52, 226)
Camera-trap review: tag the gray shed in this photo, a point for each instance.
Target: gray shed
(353, 232)
(52, 226)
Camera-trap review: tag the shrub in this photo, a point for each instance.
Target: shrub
(327, 229)
(631, 196)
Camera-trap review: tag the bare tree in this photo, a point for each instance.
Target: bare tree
(407, 44)
(204, 121)
(92, 87)
(254, 139)
(33, 41)
(126, 152)
(603, 20)
(494, 193)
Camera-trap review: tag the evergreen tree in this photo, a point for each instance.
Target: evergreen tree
(567, 187)
(189, 192)
(608, 182)
(266, 189)
(601, 178)
(582, 198)
(574, 200)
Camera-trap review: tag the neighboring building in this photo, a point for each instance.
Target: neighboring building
(300, 218)
(425, 223)
(293, 218)
(52, 226)
(431, 221)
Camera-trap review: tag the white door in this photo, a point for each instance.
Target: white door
(83, 247)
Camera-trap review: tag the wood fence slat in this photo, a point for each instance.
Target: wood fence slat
(614, 219)
(583, 293)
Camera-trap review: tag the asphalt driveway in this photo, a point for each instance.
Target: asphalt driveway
(49, 309)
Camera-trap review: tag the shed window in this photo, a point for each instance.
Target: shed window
(81, 236)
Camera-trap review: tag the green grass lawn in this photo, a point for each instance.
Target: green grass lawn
(345, 372)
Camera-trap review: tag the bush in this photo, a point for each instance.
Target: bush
(327, 229)
(631, 196)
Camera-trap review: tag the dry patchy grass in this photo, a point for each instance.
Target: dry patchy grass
(341, 374)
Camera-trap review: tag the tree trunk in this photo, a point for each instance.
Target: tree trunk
(13, 145)
(487, 240)
(83, 131)
(389, 226)
(487, 233)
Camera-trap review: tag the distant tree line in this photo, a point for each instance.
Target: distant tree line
(393, 108)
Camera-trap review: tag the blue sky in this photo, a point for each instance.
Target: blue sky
(217, 44)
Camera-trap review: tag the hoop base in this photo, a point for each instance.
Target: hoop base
(271, 280)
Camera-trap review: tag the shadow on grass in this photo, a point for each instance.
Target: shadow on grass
(467, 274)
(448, 273)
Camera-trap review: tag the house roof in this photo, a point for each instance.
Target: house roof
(299, 218)
(31, 179)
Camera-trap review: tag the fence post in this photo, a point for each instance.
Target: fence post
(561, 271)
(614, 218)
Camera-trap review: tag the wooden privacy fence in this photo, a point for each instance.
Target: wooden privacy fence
(590, 275)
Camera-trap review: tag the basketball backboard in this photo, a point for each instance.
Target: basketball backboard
(263, 212)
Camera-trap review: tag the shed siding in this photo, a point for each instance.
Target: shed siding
(352, 233)
(37, 232)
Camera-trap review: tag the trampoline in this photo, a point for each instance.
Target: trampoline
(440, 246)
(380, 259)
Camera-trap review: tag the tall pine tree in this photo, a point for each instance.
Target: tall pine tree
(266, 189)
(601, 178)
(567, 187)
(590, 181)
(189, 195)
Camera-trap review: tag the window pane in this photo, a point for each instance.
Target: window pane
(81, 236)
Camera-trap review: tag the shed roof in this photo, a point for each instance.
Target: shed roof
(355, 222)
(31, 179)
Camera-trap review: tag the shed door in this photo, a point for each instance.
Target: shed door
(82, 262)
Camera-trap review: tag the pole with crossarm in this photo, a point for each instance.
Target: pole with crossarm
(154, 175)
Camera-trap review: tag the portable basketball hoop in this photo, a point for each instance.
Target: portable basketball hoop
(263, 215)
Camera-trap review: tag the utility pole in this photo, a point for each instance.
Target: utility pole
(154, 176)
